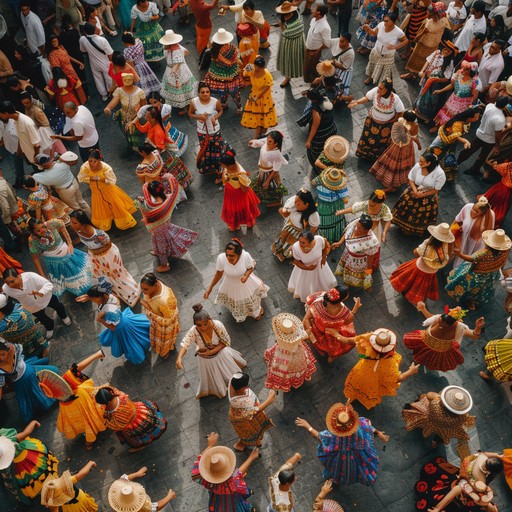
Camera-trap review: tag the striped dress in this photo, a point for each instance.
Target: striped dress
(290, 55)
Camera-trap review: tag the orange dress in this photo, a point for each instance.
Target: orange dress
(7, 262)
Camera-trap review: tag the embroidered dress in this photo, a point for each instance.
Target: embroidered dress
(500, 194)
(474, 282)
(163, 319)
(287, 369)
(321, 320)
(130, 337)
(130, 104)
(290, 53)
(228, 496)
(249, 424)
(136, 424)
(215, 372)
(351, 459)
(67, 271)
(280, 501)
(33, 463)
(179, 85)
(149, 31)
(148, 80)
(151, 171)
(498, 359)
(371, 14)
(262, 112)
(51, 207)
(354, 260)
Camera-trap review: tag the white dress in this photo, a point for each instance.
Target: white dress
(305, 282)
(242, 299)
(214, 372)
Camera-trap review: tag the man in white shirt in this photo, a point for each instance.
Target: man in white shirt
(475, 23)
(58, 174)
(488, 135)
(100, 54)
(318, 38)
(34, 293)
(343, 61)
(9, 138)
(80, 124)
(34, 30)
(492, 64)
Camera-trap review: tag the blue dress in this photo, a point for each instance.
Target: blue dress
(131, 335)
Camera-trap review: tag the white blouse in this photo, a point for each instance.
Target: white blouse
(435, 179)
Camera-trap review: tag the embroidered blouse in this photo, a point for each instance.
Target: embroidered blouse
(112, 310)
(219, 335)
(51, 241)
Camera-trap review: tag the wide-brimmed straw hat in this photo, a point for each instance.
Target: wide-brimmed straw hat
(126, 496)
(288, 330)
(383, 340)
(336, 149)
(217, 464)
(342, 420)
(333, 179)
(508, 85)
(7, 452)
(222, 36)
(497, 239)
(57, 491)
(54, 386)
(170, 37)
(442, 232)
(286, 7)
(456, 399)
(325, 68)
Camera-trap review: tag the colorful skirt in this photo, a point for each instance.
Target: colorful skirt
(282, 247)
(240, 207)
(290, 53)
(372, 19)
(133, 137)
(446, 157)
(433, 353)
(260, 113)
(352, 269)
(273, 195)
(413, 215)
(427, 104)
(129, 338)
(498, 358)
(178, 96)
(250, 426)
(453, 106)
(30, 336)
(211, 149)
(393, 166)
(375, 139)
(175, 166)
(148, 80)
(466, 286)
(419, 57)
(150, 33)
(162, 332)
(179, 141)
(171, 241)
(415, 284)
(380, 67)
(500, 199)
(71, 272)
(222, 88)
(148, 426)
(332, 226)
(418, 14)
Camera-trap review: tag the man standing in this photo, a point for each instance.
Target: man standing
(343, 61)
(80, 124)
(201, 10)
(318, 38)
(100, 54)
(58, 174)
(474, 24)
(343, 13)
(34, 30)
(492, 64)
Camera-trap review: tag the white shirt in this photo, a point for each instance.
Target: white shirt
(387, 38)
(9, 135)
(388, 114)
(295, 215)
(28, 136)
(319, 34)
(83, 125)
(490, 67)
(492, 121)
(31, 282)
(58, 176)
(435, 179)
(348, 57)
(34, 31)
(470, 28)
(456, 14)
(97, 59)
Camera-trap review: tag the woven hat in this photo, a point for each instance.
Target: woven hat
(7, 452)
(54, 386)
(325, 68)
(333, 178)
(508, 86)
(336, 149)
(286, 7)
(331, 506)
(497, 239)
(342, 420)
(456, 399)
(68, 157)
(126, 496)
(288, 330)
(217, 464)
(170, 37)
(442, 232)
(222, 36)
(57, 491)
(383, 340)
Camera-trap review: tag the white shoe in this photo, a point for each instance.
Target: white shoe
(66, 321)
(49, 335)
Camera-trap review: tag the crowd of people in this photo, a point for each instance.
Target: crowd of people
(58, 58)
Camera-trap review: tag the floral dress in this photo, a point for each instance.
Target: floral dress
(148, 80)
(130, 104)
(149, 32)
(262, 112)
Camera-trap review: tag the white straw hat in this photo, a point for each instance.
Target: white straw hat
(7, 451)
(222, 36)
(170, 37)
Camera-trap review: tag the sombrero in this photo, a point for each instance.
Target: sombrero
(336, 149)
(333, 178)
(383, 340)
(288, 330)
(217, 464)
(342, 420)
(286, 7)
(222, 36)
(442, 232)
(57, 491)
(170, 37)
(456, 399)
(126, 496)
(325, 68)
(497, 239)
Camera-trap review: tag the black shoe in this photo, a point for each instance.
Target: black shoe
(472, 172)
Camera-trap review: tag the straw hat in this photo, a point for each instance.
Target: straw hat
(336, 149)
(54, 386)
(222, 36)
(383, 340)
(497, 239)
(170, 37)
(217, 464)
(286, 7)
(288, 330)
(126, 496)
(331, 506)
(508, 86)
(57, 491)
(333, 179)
(342, 420)
(442, 232)
(7, 451)
(69, 157)
(456, 399)
(127, 78)
(325, 68)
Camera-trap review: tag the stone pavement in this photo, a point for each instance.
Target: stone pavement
(170, 459)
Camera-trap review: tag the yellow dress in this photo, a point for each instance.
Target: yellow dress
(164, 324)
(261, 112)
(108, 202)
(372, 377)
(82, 502)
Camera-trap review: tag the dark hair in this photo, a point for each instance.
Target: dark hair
(127, 37)
(432, 161)
(155, 114)
(89, 29)
(147, 148)
(329, 81)
(500, 22)
(235, 245)
(200, 314)
(479, 36)
(12, 81)
(7, 107)
(314, 95)
(307, 198)
(140, 2)
(479, 6)
(286, 476)
(321, 8)
(149, 279)
(29, 182)
(32, 223)
(409, 115)
(447, 61)
(95, 153)
(448, 319)
(306, 233)
(463, 116)
(391, 15)
(81, 216)
(9, 306)
(10, 272)
(277, 137)
(347, 36)
(435, 242)
(502, 102)
(48, 46)
(228, 157)
(95, 292)
(249, 4)
(500, 43)
(495, 466)
(366, 221)
(104, 396)
(203, 85)
(118, 59)
(240, 381)
(65, 20)
(388, 84)
(89, 9)
(155, 95)
(58, 74)
(259, 61)
(25, 95)
(215, 50)
(342, 290)
(156, 189)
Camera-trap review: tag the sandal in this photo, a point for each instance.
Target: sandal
(484, 376)
(407, 76)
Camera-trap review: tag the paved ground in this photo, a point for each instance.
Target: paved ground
(171, 458)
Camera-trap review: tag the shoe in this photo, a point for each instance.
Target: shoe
(104, 98)
(49, 334)
(66, 321)
(472, 172)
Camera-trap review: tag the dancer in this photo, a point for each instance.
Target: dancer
(148, 29)
(280, 486)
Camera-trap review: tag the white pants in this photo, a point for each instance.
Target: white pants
(73, 197)
(102, 80)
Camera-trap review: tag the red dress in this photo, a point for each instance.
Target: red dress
(500, 194)
(73, 92)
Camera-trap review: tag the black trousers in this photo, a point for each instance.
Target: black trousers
(48, 322)
(477, 144)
